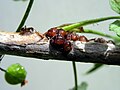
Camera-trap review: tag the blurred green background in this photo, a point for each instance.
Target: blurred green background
(57, 75)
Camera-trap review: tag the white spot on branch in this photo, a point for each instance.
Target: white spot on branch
(79, 45)
(110, 48)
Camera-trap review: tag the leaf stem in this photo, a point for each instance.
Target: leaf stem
(87, 22)
(115, 38)
(75, 75)
(25, 15)
(2, 69)
(1, 57)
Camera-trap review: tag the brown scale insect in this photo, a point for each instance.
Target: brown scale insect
(57, 40)
(61, 32)
(72, 36)
(83, 39)
(67, 47)
(27, 31)
(51, 32)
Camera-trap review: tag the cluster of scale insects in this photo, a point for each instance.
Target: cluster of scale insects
(61, 39)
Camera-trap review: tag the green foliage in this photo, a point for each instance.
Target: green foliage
(115, 5)
(15, 74)
(115, 26)
(94, 68)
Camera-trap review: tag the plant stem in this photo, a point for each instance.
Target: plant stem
(115, 38)
(1, 57)
(2, 69)
(87, 22)
(25, 15)
(75, 75)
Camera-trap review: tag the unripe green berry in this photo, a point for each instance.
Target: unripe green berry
(15, 74)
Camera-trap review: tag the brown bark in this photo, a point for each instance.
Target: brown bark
(35, 45)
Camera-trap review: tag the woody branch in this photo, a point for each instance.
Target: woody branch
(35, 45)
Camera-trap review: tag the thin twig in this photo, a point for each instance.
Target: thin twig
(25, 15)
(2, 69)
(75, 75)
(88, 22)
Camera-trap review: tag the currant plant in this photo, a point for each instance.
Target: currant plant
(60, 37)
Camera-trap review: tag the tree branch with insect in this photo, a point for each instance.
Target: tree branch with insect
(62, 43)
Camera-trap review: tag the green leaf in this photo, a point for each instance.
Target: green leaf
(115, 26)
(115, 5)
(82, 86)
(94, 68)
